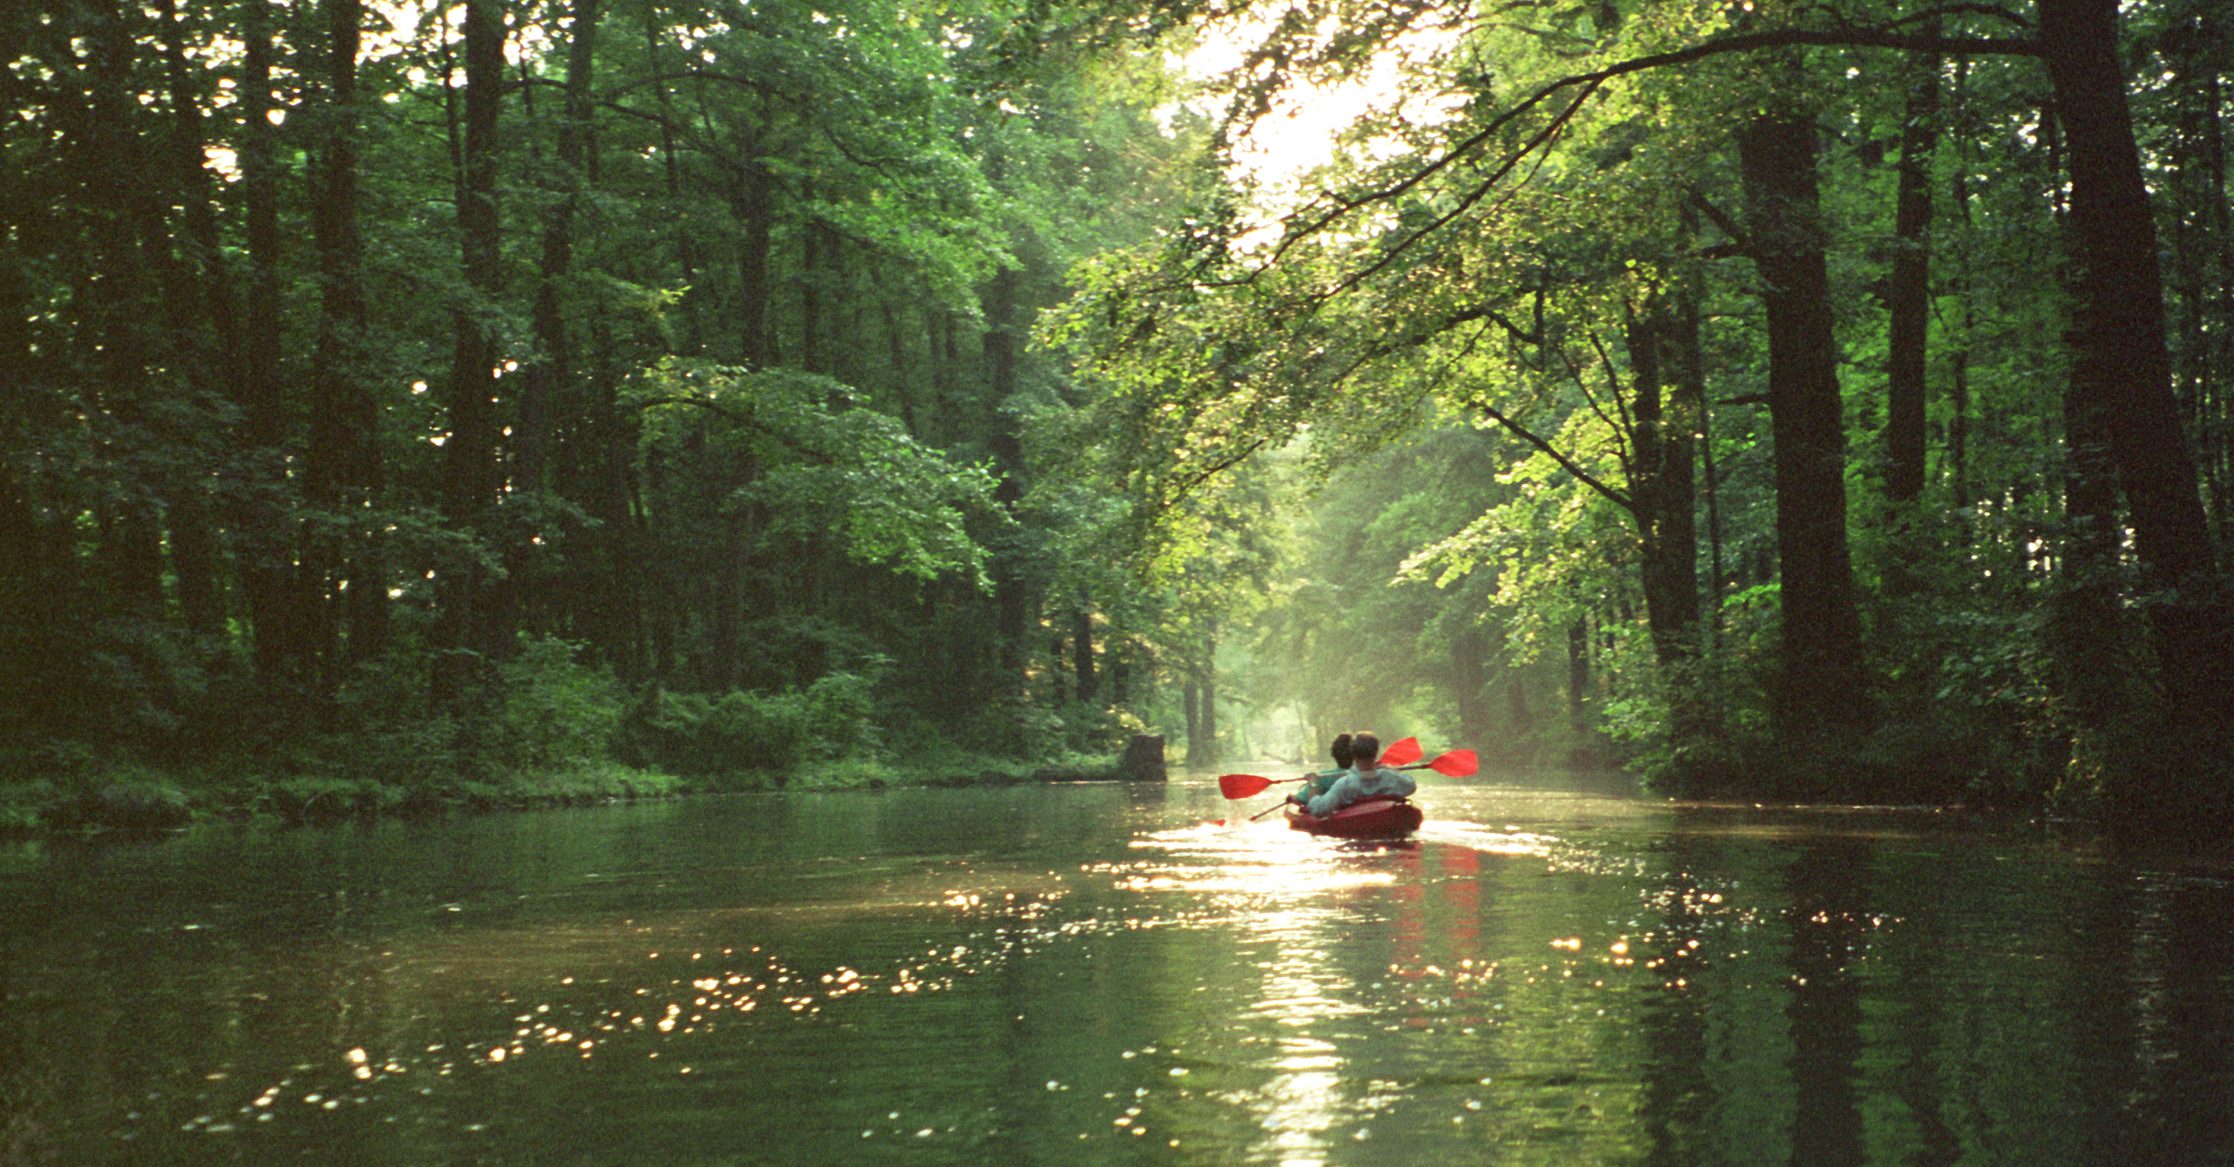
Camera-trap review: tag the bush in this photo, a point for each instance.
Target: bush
(838, 710)
(554, 712)
(144, 677)
(382, 730)
(743, 726)
(730, 738)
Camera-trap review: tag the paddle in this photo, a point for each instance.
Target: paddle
(1398, 755)
(1454, 764)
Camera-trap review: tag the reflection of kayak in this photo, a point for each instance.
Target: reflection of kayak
(1374, 818)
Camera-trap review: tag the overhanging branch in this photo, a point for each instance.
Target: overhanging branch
(1883, 38)
(1566, 463)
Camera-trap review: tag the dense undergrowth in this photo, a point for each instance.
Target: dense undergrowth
(546, 730)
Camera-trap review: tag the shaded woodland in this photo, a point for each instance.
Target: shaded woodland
(401, 402)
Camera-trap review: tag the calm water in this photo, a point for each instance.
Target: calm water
(1094, 974)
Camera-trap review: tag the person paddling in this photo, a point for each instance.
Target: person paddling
(1365, 779)
(1317, 784)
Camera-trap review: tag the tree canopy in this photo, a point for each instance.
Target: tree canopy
(1818, 402)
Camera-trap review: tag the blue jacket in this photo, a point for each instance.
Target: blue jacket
(1358, 785)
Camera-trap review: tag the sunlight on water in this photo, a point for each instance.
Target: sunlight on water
(1487, 841)
(1093, 973)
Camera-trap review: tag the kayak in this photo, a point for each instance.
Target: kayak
(1374, 818)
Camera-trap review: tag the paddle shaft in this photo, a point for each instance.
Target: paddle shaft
(1307, 777)
(1455, 763)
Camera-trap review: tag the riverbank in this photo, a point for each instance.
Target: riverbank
(142, 798)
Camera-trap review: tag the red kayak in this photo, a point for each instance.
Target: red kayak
(1374, 818)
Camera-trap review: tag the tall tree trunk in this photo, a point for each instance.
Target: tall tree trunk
(1821, 689)
(194, 559)
(2203, 247)
(903, 373)
(44, 615)
(550, 389)
(267, 547)
(203, 244)
(1685, 362)
(189, 511)
(1908, 297)
(466, 627)
(2122, 368)
(1661, 487)
(344, 577)
(2087, 632)
(1010, 589)
(1958, 358)
(2218, 431)
(1674, 585)
(752, 203)
(686, 245)
(618, 626)
(2086, 627)
(1082, 653)
(946, 366)
(195, 288)
(818, 251)
(118, 298)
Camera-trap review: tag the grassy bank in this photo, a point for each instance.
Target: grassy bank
(136, 797)
(543, 730)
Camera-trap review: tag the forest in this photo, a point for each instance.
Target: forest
(408, 404)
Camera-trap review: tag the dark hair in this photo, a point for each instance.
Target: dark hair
(1342, 751)
(1365, 748)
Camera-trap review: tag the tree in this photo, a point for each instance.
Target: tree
(343, 475)
(1821, 686)
(2121, 373)
(472, 483)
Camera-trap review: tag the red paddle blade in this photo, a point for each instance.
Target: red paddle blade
(1456, 763)
(1401, 753)
(1242, 785)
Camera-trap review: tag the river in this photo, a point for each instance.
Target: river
(1101, 974)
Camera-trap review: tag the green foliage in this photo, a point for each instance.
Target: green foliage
(751, 738)
(554, 713)
(149, 677)
(383, 732)
(746, 427)
(838, 709)
(770, 470)
(328, 798)
(597, 780)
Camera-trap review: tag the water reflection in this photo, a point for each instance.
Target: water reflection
(1102, 975)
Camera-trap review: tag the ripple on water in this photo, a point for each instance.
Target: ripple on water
(1600, 987)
